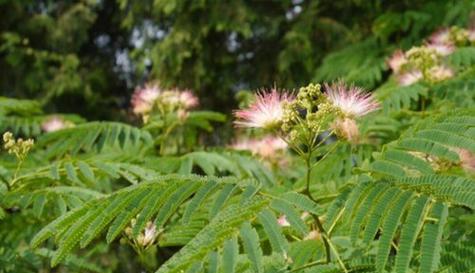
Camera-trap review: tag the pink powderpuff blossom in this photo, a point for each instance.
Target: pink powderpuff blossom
(144, 98)
(442, 49)
(352, 101)
(396, 61)
(52, 124)
(265, 112)
(441, 36)
(410, 77)
(188, 99)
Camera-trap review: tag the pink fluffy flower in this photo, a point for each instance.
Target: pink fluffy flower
(188, 99)
(53, 124)
(442, 49)
(441, 36)
(352, 101)
(144, 97)
(396, 61)
(266, 112)
(410, 77)
(441, 73)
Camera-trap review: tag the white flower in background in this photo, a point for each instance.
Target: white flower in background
(267, 148)
(54, 123)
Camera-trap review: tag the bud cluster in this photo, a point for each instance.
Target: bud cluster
(18, 147)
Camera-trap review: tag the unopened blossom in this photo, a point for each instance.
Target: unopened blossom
(282, 221)
(441, 36)
(396, 61)
(440, 73)
(53, 124)
(351, 101)
(347, 129)
(144, 98)
(410, 77)
(442, 49)
(266, 112)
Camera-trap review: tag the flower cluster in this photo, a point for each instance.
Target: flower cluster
(151, 98)
(302, 118)
(421, 63)
(18, 147)
(426, 62)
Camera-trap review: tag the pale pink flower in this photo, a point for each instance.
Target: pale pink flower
(347, 129)
(440, 73)
(410, 77)
(467, 159)
(144, 98)
(442, 49)
(188, 99)
(304, 215)
(150, 233)
(54, 123)
(266, 112)
(441, 36)
(396, 61)
(266, 147)
(471, 35)
(282, 221)
(313, 235)
(352, 101)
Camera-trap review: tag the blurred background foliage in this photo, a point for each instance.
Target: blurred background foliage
(87, 56)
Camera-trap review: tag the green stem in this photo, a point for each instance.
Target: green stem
(316, 218)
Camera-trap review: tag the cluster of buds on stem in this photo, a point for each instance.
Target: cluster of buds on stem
(18, 147)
